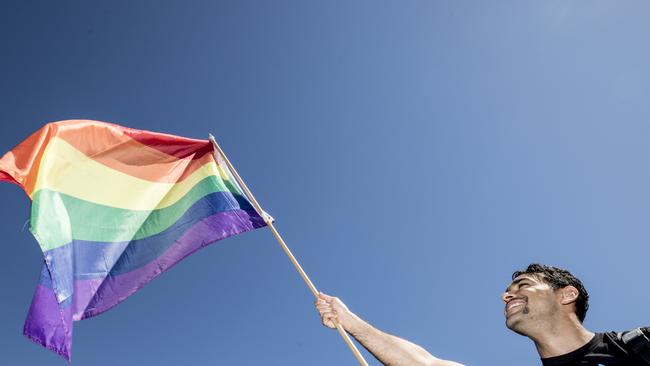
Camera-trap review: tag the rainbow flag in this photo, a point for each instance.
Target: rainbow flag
(112, 209)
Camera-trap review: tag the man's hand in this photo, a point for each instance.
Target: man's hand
(333, 311)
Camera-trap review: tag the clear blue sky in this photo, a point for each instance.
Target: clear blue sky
(413, 153)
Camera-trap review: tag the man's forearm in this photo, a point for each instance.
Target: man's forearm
(392, 350)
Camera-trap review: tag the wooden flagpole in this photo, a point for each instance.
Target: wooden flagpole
(284, 246)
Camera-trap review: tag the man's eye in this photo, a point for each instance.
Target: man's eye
(523, 284)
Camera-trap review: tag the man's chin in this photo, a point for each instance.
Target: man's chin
(514, 323)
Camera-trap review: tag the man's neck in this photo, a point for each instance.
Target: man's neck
(562, 338)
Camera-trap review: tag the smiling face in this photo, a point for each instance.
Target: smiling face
(530, 304)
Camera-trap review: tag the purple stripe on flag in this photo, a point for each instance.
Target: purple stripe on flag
(49, 324)
(94, 296)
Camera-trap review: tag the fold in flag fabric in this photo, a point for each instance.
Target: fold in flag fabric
(113, 208)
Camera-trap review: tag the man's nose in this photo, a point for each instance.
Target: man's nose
(507, 296)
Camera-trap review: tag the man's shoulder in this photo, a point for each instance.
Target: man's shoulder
(635, 343)
(626, 336)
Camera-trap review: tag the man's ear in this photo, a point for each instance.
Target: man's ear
(568, 295)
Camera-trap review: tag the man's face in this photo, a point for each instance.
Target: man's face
(529, 303)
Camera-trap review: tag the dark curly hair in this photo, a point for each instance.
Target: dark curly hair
(559, 278)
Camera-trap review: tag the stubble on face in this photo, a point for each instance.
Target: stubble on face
(540, 305)
(514, 321)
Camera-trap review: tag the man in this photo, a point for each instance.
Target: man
(544, 303)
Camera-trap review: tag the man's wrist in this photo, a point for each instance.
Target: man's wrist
(354, 325)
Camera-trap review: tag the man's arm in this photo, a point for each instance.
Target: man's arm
(388, 349)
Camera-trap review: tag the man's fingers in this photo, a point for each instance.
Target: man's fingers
(326, 310)
(329, 319)
(320, 302)
(327, 313)
(323, 306)
(326, 298)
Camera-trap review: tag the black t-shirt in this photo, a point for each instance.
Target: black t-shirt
(603, 349)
